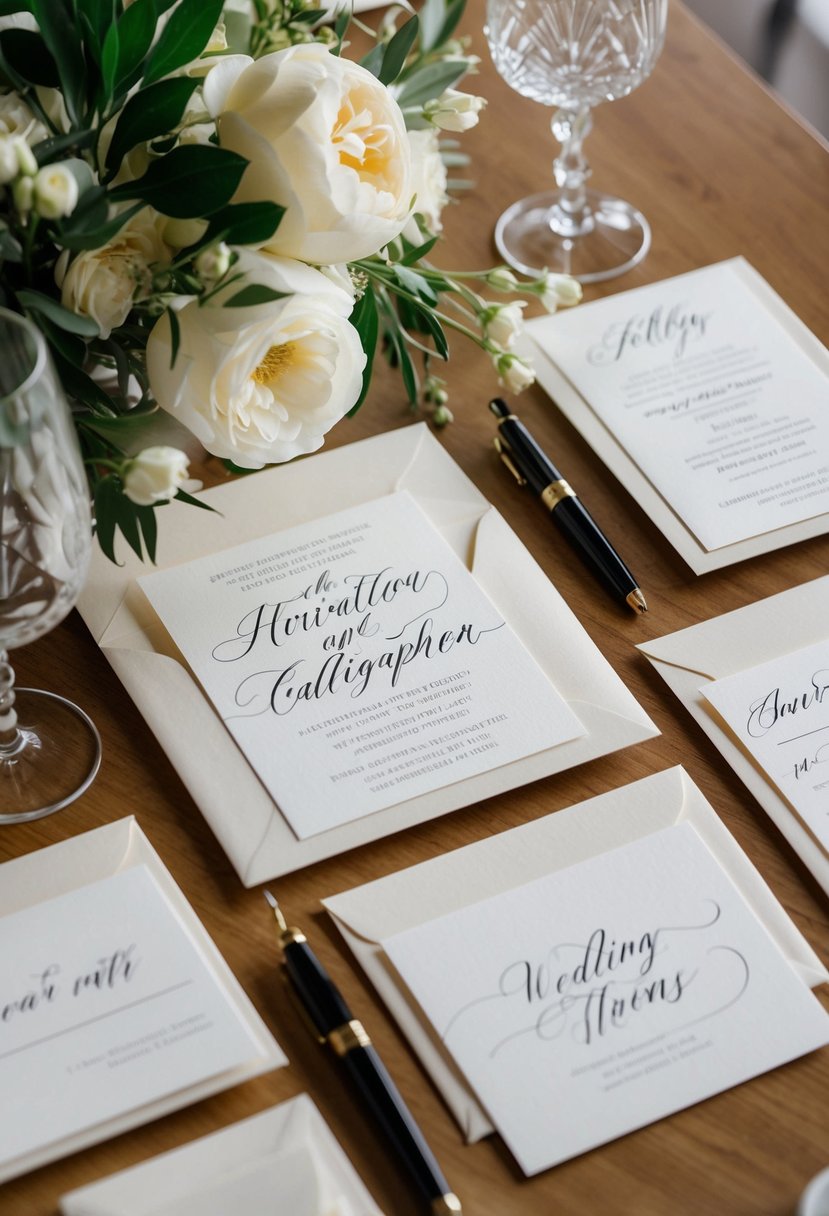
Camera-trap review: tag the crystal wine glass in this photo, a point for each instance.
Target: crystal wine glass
(574, 54)
(49, 748)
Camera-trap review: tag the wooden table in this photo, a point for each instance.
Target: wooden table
(720, 169)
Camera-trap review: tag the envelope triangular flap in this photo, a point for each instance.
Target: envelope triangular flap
(748, 636)
(62, 867)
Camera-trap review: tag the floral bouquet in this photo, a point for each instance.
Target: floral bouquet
(207, 207)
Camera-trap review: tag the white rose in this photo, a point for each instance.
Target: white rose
(454, 111)
(16, 118)
(326, 140)
(55, 191)
(103, 283)
(156, 475)
(263, 384)
(428, 180)
(504, 323)
(513, 373)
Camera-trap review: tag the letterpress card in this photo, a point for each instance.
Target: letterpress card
(106, 1004)
(357, 663)
(600, 998)
(779, 711)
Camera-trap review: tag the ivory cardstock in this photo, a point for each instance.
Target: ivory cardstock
(357, 663)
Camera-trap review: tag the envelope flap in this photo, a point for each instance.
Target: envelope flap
(60, 868)
(748, 636)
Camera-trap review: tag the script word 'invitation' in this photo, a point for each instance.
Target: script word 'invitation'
(779, 711)
(600, 998)
(357, 663)
(106, 1004)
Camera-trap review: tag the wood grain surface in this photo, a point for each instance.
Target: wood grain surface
(720, 169)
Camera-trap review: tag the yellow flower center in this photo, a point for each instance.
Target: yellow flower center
(363, 143)
(276, 361)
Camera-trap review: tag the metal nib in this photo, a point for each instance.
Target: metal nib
(277, 911)
(637, 600)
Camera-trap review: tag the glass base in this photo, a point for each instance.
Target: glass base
(49, 760)
(615, 238)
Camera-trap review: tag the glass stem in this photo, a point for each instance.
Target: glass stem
(9, 733)
(571, 216)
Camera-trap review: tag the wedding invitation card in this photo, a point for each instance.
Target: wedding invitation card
(714, 392)
(591, 1001)
(779, 711)
(107, 1004)
(357, 663)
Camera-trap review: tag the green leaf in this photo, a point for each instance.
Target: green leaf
(50, 149)
(26, 54)
(126, 517)
(253, 294)
(69, 346)
(81, 387)
(438, 19)
(341, 24)
(415, 283)
(418, 251)
(399, 355)
(9, 7)
(365, 320)
(10, 248)
(430, 81)
(99, 16)
(126, 45)
(397, 50)
(244, 223)
(373, 61)
(184, 37)
(149, 529)
(196, 502)
(428, 323)
(57, 25)
(151, 112)
(100, 233)
(175, 336)
(90, 214)
(35, 301)
(107, 493)
(189, 182)
(309, 16)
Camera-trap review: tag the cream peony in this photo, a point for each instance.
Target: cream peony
(326, 140)
(262, 384)
(103, 283)
(156, 475)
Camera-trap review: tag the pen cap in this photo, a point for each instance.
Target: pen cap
(326, 1008)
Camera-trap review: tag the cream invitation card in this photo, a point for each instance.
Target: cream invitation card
(357, 663)
(594, 1000)
(713, 392)
(107, 1004)
(779, 711)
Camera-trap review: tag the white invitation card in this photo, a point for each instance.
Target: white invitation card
(357, 663)
(779, 711)
(106, 1004)
(711, 396)
(592, 1001)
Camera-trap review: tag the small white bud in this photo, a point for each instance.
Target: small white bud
(55, 191)
(502, 279)
(454, 111)
(513, 373)
(156, 475)
(213, 263)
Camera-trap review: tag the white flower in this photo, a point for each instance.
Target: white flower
(103, 283)
(16, 118)
(503, 322)
(326, 140)
(513, 373)
(213, 263)
(454, 111)
(428, 181)
(558, 290)
(156, 475)
(262, 384)
(55, 191)
(502, 279)
(16, 157)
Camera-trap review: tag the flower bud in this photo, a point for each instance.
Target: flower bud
(23, 194)
(558, 290)
(55, 191)
(9, 161)
(442, 415)
(513, 373)
(454, 111)
(213, 263)
(503, 323)
(156, 475)
(502, 279)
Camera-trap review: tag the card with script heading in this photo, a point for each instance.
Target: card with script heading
(779, 711)
(357, 663)
(109, 1005)
(706, 396)
(595, 1000)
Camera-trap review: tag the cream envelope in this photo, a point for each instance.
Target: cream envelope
(734, 642)
(283, 1162)
(84, 859)
(391, 905)
(589, 425)
(254, 834)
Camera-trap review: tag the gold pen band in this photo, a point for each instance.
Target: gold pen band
(343, 1039)
(556, 492)
(447, 1205)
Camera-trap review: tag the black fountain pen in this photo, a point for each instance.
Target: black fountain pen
(334, 1024)
(530, 466)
